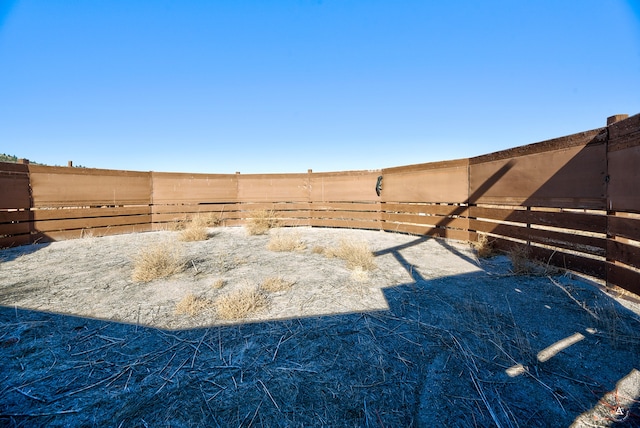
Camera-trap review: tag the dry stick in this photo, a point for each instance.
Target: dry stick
(85, 388)
(269, 394)
(255, 413)
(193, 360)
(30, 396)
(277, 347)
(38, 415)
(484, 399)
(166, 381)
(581, 304)
(95, 349)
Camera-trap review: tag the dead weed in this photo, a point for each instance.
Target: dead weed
(158, 261)
(240, 304)
(192, 305)
(261, 222)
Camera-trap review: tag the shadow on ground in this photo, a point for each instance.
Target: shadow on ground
(481, 349)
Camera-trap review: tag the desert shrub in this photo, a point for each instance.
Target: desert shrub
(483, 246)
(158, 261)
(240, 304)
(356, 254)
(286, 242)
(213, 219)
(194, 230)
(275, 284)
(261, 222)
(192, 305)
(523, 263)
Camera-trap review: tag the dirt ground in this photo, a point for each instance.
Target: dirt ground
(431, 337)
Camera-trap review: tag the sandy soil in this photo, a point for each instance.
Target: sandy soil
(431, 337)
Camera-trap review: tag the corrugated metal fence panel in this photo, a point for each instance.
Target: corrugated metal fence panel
(15, 200)
(180, 188)
(430, 182)
(623, 246)
(347, 186)
(77, 187)
(273, 187)
(565, 172)
(624, 165)
(14, 186)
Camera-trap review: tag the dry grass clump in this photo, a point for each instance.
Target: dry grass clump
(261, 221)
(275, 284)
(483, 247)
(157, 261)
(194, 230)
(523, 263)
(192, 305)
(240, 304)
(218, 284)
(286, 242)
(356, 254)
(210, 219)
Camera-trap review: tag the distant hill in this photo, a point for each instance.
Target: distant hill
(8, 158)
(13, 159)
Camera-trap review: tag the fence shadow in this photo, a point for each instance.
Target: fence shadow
(12, 253)
(441, 352)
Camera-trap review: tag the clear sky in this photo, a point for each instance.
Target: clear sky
(289, 85)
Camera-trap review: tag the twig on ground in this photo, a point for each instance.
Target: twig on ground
(269, 394)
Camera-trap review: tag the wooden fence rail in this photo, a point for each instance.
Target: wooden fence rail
(572, 201)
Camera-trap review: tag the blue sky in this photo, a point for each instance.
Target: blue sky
(289, 85)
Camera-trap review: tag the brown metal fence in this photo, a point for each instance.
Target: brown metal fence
(572, 201)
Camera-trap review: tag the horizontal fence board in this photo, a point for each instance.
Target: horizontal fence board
(622, 277)
(62, 235)
(14, 186)
(349, 224)
(69, 187)
(624, 253)
(449, 222)
(14, 240)
(436, 182)
(414, 229)
(572, 176)
(293, 222)
(75, 213)
(272, 206)
(181, 188)
(174, 217)
(14, 228)
(581, 243)
(586, 265)
(90, 223)
(624, 227)
(433, 209)
(14, 216)
(567, 220)
(359, 215)
(348, 186)
(194, 208)
(345, 206)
